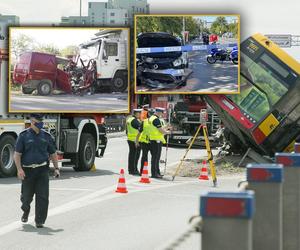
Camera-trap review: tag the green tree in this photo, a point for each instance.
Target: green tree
(220, 26)
(69, 50)
(21, 44)
(48, 48)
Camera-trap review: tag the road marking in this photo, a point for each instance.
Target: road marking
(87, 200)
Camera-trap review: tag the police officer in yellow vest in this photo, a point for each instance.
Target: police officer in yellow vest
(132, 129)
(157, 132)
(143, 139)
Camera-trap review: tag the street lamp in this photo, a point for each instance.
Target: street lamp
(80, 11)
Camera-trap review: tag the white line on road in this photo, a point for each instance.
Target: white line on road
(87, 200)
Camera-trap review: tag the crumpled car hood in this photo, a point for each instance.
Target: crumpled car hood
(159, 39)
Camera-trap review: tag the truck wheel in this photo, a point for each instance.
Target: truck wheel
(44, 88)
(86, 154)
(119, 83)
(27, 91)
(7, 165)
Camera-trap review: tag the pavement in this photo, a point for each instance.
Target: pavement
(86, 213)
(103, 102)
(213, 78)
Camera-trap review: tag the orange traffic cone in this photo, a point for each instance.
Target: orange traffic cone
(121, 188)
(145, 175)
(204, 173)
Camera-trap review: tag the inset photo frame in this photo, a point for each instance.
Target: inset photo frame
(187, 54)
(69, 70)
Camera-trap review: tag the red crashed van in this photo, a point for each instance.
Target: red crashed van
(39, 71)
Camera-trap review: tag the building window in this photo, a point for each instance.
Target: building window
(90, 5)
(125, 14)
(112, 14)
(112, 21)
(105, 5)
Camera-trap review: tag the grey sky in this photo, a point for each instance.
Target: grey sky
(264, 16)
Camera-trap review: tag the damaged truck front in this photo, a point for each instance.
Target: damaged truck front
(163, 70)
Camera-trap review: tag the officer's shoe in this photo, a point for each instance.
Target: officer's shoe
(39, 225)
(24, 218)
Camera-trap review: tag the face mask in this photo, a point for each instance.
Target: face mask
(39, 125)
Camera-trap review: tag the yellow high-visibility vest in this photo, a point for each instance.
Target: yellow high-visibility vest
(155, 134)
(131, 131)
(145, 135)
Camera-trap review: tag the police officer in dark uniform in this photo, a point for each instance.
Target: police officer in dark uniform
(34, 148)
(132, 129)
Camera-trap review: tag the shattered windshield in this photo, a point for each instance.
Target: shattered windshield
(88, 52)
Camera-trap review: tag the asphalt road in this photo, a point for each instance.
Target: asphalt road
(206, 78)
(112, 102)
(86, 213)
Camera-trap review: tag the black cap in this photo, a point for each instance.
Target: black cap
(38, 117)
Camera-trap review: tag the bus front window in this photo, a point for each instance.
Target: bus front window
(261, 86)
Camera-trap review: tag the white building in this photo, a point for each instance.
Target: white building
(110, 13)
(75, 21)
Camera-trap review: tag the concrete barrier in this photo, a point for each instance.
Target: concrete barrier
(266, 180)
(291, 199)
(227, 220)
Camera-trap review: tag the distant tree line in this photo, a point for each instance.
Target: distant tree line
(174, 25)
(24, 43)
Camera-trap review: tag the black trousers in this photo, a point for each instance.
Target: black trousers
(36, 183)
(145, 147)
(155, 149)
(133, 157)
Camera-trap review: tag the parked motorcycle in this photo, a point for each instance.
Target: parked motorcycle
(222, 55)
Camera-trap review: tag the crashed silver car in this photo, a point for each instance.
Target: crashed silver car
(161, 70)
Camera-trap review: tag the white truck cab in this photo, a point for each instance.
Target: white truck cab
(109, 49)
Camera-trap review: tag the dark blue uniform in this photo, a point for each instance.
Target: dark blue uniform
(35, 149)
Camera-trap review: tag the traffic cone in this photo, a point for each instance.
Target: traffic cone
(121, 188)
(204, 173)
(93, 168)
(145, 175)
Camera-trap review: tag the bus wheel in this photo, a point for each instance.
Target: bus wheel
(86, 153)
(7, 165)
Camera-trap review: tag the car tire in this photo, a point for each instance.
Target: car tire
(7, 165)
(119, 82)
(44, 88)
(27, 91)
(86, 153)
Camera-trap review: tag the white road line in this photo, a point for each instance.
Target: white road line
(107, 193)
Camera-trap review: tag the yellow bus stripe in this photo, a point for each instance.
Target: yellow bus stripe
(278, 52)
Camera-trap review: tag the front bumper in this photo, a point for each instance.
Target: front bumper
(165, 78)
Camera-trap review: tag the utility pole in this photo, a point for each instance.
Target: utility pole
(80, 11)
(183, 29)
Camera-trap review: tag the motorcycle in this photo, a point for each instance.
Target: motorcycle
(223, 55)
